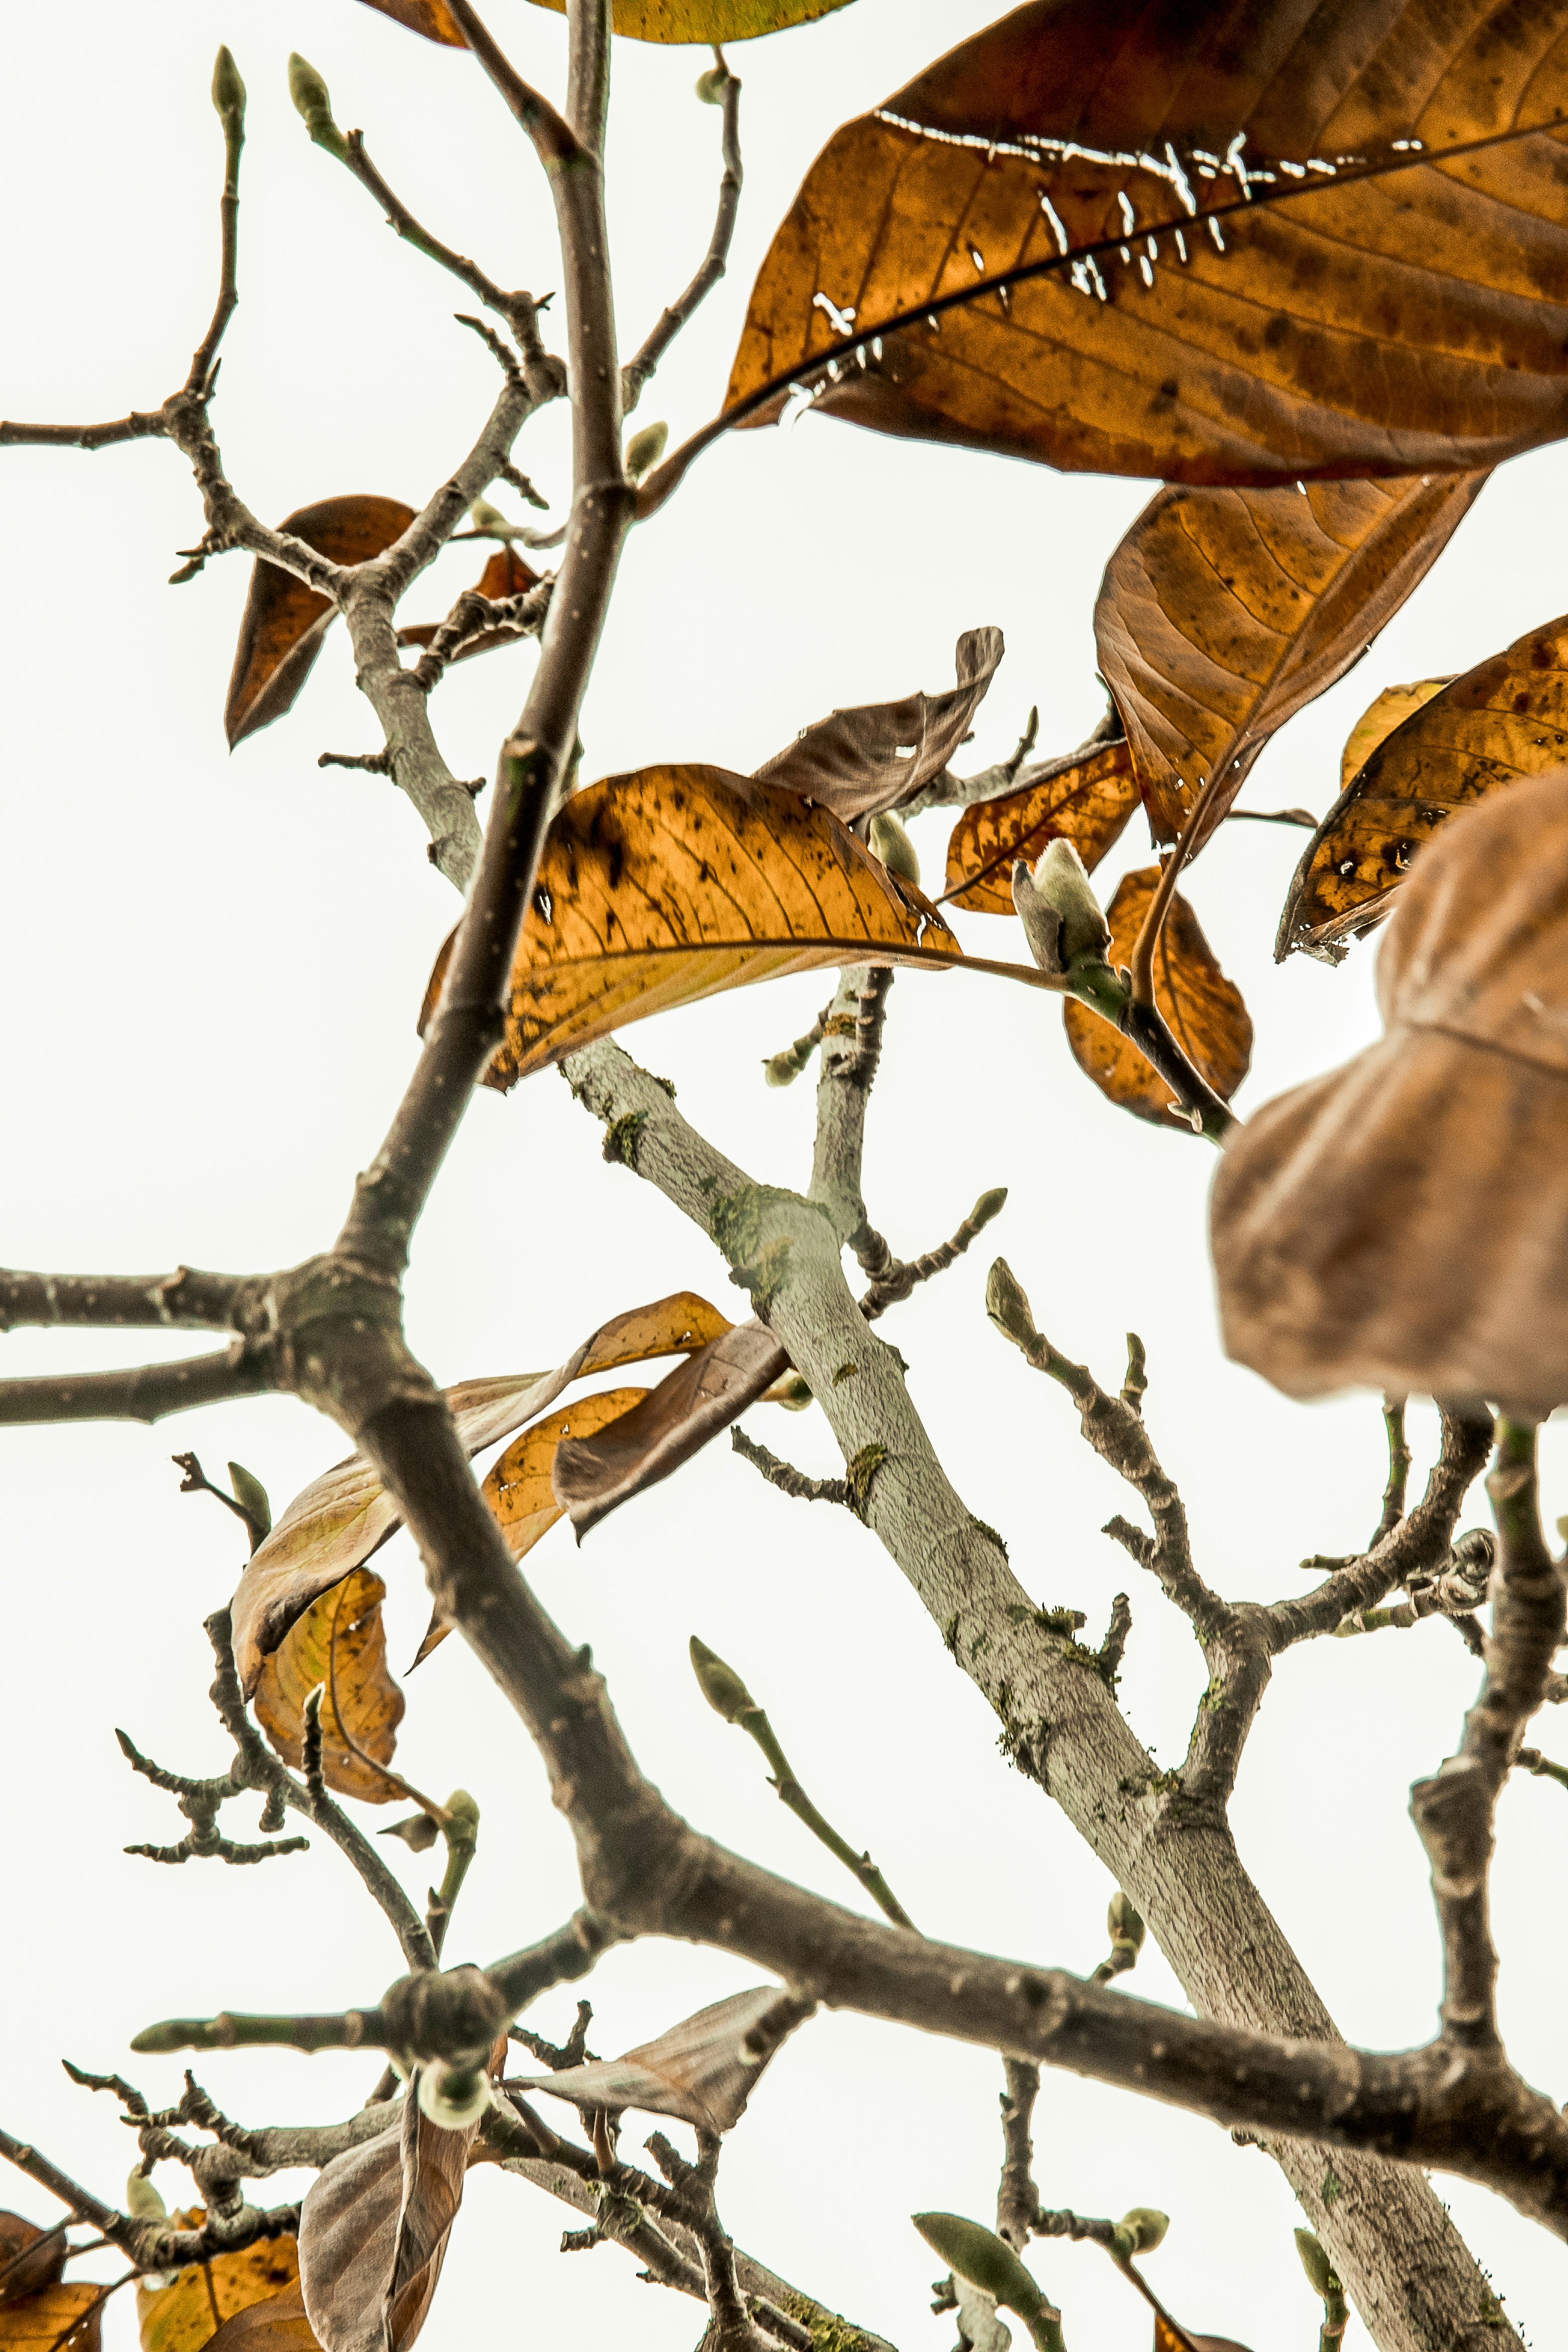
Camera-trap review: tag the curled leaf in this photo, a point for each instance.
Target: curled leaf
(1203, 1010)
(1397, 1223)
(374, 2230)
(1085, 797)
(700, 2070)
(339, 1643)
(861, 761)
(284, 622)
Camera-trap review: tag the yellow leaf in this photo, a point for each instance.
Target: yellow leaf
(187, 2313)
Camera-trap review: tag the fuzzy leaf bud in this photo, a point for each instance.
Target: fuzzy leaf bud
(1124, 1923)
(644, 449)
(1140, 2230)
(1319, 2270)
(143, 2199)
(990, 1204)
(229, 90)
(452, 2097)
(251, 1496)
(983, 2258)
(1008, 1305)
(720, 1685)
(711, 85)
(892, 844)
(1062, 919)
(313, 102)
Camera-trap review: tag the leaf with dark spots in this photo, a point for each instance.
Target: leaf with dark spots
(1086, 797)
(284, 622)
(198, 2302)
(1202, 1009)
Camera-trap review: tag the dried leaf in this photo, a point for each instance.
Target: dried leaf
(1086, 797)
(339, 1641)
(641, 20)
(52, 2319)
(1505, 719)
(279, 2325)
(1222, 613)
(284, 622)
(592, 1476)
(506, 574)
(189, 2310)
(1398, 1223)
(1333, 325)
(699, 2071)
(1203, 1009)
(45, 2267)
(342, 1517)
(660, 889)
(1167, 2340)
(1394, 705)
(374, 2230)
(431, 17)
(518, 1488)
(860, 763)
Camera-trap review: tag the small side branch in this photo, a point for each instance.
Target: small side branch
(146, 1392)
(185, 1300)
(785, 1476)
(902, 1277)
(637, 371)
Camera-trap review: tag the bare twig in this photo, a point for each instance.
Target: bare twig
(146, 1392)
(185, 1300)
(637, 371)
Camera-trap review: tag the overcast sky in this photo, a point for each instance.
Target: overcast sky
(213, 969)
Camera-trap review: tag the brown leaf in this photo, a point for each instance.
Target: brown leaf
(374, 2230)
(1333, 325)
(30, 2259)
(277, 2325)
(431, 17)
(1203, 1009)
(189, 2311)
(642, 20)
(1166, 2340)
(518, 1488)
(1398, 1223)
(697, 2070)
(860, 763)
(1222, 613)
(592, 1476)
(1505, 719)
(284, 622)
(506, 574)
(339, 1641)
(1085, 798)
(1394, 705)
(50, 2319)
(662, 888)
(342, 1517)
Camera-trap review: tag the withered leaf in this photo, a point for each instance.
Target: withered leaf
(284, 622)
(188, 2313)
(342, 1517)
(860, 763)
(1203, 1010)
(1393, 707)
(30, 2259)
(506, 574)
(1400, 1222)
(339, 1641)
(1085, 797)
(518, 1488)
(277, 2325)
(1505, 719)
(594, 1476)
(699, 2071)
(1222, 613)
(374, 2230)
(1166, 2340)
(1331, 323)
(52, 2319)
(661, 887)
(641, 20)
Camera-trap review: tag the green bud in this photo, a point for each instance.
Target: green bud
(1124, 1923)
(983, 2258)
(1061, 914)
(464, 1809)
(1315, 2262)
(418, 1832)
(484, 517)
(1009, 1307)
(229, 90)
(251, 1496)
(711, 86)
(892, 844)
(720, 1685)
(313, 102)
(990, 1204)
(142, 2201)
(791, 1391)
(644, 449)
(1140, 2230)
(453, 2096)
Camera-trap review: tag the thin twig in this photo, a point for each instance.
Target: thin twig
(637, 371)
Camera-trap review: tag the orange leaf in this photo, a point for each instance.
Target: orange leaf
(1203, 1010)
(52, 2319)
(276, 2325)
(431, 17)
(284, 622)
(30, 2258)
(340, 1642)
(1085, 798)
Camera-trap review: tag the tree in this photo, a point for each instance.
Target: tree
(1389, 441)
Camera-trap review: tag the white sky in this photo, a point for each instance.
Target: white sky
(214, 970)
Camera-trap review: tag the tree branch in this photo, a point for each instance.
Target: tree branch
(185, 1300)
(146, 1392)
(637, 371)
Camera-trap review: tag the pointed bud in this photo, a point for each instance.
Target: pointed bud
(711, 86)
(1124, 1922)
(453, 2096)
(228, 91)
(990, 1204)
(143, 2200)
(983, 2258)
(418, 1832)
(1060, 887)
(791, 1391)
(484, 517)
(720, 1685)
(461, 1827)
(251, 1496)
(1315, 2262)
(1140, 2230)
(1009, 1307)
(892, 844)
(644, 449)
(314, 104)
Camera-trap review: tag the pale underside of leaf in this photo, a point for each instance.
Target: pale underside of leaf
(860, 762)
(373, 2232)
(699, 2071)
